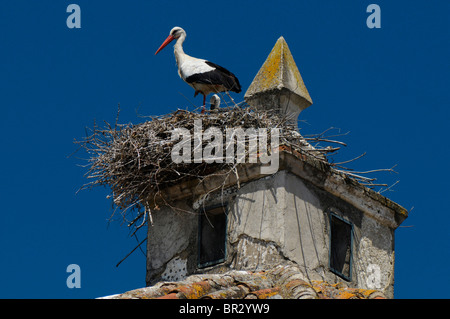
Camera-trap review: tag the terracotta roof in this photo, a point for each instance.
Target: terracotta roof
(281, 282)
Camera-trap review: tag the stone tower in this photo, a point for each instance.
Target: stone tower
(306, 214)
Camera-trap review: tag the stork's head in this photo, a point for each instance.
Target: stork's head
(175, 33)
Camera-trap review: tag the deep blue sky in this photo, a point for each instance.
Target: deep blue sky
(389, 87)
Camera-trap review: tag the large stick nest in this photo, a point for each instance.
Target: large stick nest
(135, 162)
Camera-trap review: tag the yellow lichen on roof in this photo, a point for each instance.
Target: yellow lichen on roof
(278, 71)
(280, 282)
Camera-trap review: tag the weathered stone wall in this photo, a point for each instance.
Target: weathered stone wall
(280, 219)
(171, 249)
(284, 219)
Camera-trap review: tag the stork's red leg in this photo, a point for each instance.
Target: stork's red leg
(204, 103)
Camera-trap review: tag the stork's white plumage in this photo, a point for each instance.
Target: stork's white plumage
(204, 76)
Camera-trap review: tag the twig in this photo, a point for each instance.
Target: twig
(318, 139)
(143, 241)
(386, 189)
(351, 160)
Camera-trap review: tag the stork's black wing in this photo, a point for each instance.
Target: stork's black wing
(219, 76)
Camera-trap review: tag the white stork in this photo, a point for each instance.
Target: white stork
(214, 101)
(204, 76)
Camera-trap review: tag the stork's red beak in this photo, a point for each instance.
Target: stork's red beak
(166, 42)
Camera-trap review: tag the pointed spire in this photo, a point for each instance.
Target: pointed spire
(279, 84)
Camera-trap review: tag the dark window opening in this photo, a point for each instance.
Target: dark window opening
(340, 247)
(212, 236)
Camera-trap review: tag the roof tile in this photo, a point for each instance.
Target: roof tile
(283, 281)
(265, 293)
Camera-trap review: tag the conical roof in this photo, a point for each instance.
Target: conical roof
(279, 76)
